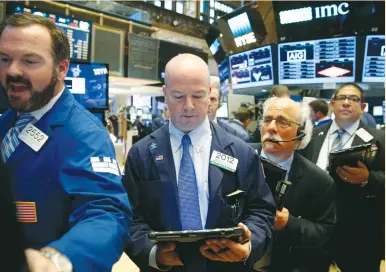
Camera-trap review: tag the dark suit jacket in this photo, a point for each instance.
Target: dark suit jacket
(152, 189)
(311, 204)
(12, 239)
(360, 211)
(232, 130)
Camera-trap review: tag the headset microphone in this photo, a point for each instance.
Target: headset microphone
(299, 137)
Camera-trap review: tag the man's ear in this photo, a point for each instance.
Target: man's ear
(63, 69)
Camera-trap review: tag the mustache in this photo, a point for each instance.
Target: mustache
(269, 137)
(18, 79)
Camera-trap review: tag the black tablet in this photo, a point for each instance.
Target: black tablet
(196, 235)
(350, 156)
(273, 173)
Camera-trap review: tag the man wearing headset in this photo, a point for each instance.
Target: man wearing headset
(305, 224)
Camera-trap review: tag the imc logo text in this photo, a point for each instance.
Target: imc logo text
(306, 14)
(296, 55)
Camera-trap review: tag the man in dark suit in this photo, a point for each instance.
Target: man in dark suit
(359, 238)
(174, 184)
(306, 223)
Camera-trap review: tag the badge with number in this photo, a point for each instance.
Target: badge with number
(33, 137)
(224, 161)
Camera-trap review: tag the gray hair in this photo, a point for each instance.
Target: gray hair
(303, 117)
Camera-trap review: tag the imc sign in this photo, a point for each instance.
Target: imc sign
(307, 13)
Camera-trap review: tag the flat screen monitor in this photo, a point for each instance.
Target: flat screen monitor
(252, 68)
(89, 83)
(140, 101)
(77, 31)
(243, 29)
(318, 61)
(374, 59)
(377, 111)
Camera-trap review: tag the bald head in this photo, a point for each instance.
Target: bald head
(186, 91)
(184, 65)
(284, 103)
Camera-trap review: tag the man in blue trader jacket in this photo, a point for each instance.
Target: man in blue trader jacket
(67, 186)
(174, 183)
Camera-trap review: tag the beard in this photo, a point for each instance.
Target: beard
(37, 100)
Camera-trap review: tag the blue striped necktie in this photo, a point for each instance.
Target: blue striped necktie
(11, 139)
(187, 190)
(337, 144)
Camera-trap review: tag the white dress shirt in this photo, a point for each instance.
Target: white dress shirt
(347, 139)
(201, 139)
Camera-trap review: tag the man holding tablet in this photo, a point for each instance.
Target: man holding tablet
(191, 175)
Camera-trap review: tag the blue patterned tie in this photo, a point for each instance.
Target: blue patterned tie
(337, 144)
(187, 190)
(11, 139)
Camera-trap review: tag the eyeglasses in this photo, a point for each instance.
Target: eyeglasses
(351, 98)
(282, 122)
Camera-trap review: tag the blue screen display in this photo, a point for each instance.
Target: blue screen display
(215, 46)
(240, 25)
(88, 82)
(318, 61)
(252, 68)
(77, 31)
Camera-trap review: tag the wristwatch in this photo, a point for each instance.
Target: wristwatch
(62, 263)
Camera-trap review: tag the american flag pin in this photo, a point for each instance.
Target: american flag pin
(159, 158)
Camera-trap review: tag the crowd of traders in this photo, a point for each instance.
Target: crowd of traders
(77, 212)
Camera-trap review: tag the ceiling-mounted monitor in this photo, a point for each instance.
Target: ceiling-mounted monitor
(374, 59)
(252, 68)
(77, 31)
(243, 29)
(214, 40)
(317, 61)
(89, 83)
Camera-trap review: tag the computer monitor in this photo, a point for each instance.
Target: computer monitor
(89, 83)
(77, 31)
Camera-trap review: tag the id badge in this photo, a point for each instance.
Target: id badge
(33, 137)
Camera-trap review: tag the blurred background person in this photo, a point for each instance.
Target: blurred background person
(161, 120)
(319, 112)
(240, 122)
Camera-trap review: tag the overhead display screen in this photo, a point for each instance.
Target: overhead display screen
(374, 60)
(318, 61)
(223, 72)
(88, 82)
(252, 68)
(77, 31)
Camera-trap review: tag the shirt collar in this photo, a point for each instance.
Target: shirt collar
(37, 114)
(197, 136)
(351, 129)
(285, 164)
(324, 119)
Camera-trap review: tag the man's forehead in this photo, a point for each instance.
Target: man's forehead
(280, 110)
(349, 90)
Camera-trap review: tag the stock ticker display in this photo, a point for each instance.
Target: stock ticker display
(252, 68)
(318, 61)
(374, 59)
(77, 31)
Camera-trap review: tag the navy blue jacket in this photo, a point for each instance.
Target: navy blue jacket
(152, 188)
